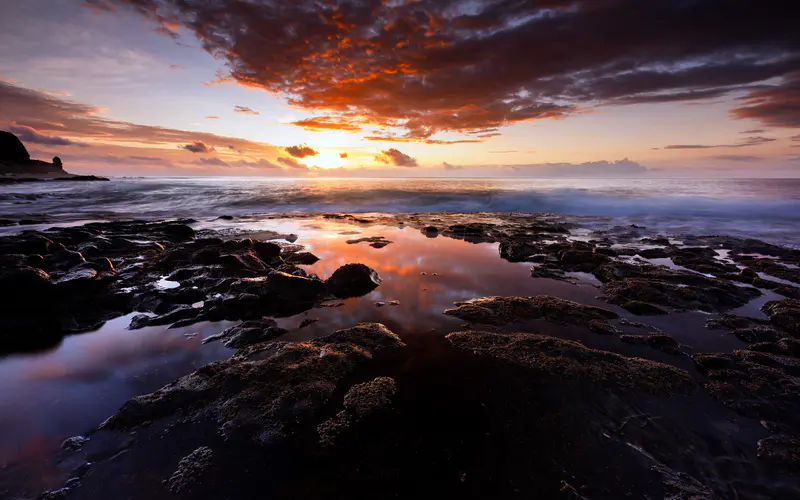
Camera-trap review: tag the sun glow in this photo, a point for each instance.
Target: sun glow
(326, 160)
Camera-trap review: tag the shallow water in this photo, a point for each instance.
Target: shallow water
(767, 209)
(70, 389)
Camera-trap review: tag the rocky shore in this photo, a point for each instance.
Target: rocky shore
(500, 407)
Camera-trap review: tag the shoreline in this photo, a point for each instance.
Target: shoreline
(336, 412)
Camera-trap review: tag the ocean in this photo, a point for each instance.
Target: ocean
(767, 209)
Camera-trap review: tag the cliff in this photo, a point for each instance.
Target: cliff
(15, 161)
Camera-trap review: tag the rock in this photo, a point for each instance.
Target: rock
(782, 451)
(788, 291)
(360, 402)
(190, 470)
(289, 288)
(602, 327)
(564, 358)
(755, 384)
(660, 341)
(248, 333)
(633, 293)
(519, 250)
(22, 284)
(179, 231)
(266, 251)
(374, 241)
(783, 347)
(264, 390)
(654, 253)
(785, 314)
(307, 322)
(504, 310)
(12, 150)
(74, 443)
(301, 258)
(640, 308)
(353, 280)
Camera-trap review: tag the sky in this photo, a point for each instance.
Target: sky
(507, 88)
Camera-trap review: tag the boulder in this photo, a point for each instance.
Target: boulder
(353, 280)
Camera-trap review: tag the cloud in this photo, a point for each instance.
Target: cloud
(301, 151)
(774, 105)
(198, 147)
(326, 123)
(291, 163)
(32, 136)
(342, 155)
(448, 166)
(749, 141)
(795, 137)
(215, 162)
(427, 66)
(50, 114)
(212, 117)
(753, 131)
(395, 157)
(603, 168)
(739, 158)
(144, 158)
(245, 110)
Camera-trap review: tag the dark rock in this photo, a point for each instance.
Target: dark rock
(786, 346)
(504, 310)
(179, 231)
(374, 241)
(74, 443)
(264, 390)
(360, 402)
(640, 308)
(519, 250)
(564, 358)
(191, 470)
(12, 150)
(654, 253)
(602, 327)
(307, 322)
(716, 295)
(266, 251)
(785, 314)
(301, 258)
(788, 291)
(248, 333)
(660, 341)
(294, 288)
(782, 451)
(353, 280)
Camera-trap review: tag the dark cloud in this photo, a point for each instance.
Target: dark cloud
(245, 110)
(753, 131)
(32, 136)
(448, 166)
(749, 141)
(395, 157)
(437, 65)
(795, 138)
(739, 158)
(198, 147)
(394, 138)
(301, 151)
(774, 105)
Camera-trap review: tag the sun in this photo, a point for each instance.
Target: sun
(326, 160)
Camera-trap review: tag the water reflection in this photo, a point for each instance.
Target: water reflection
(70, 389)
